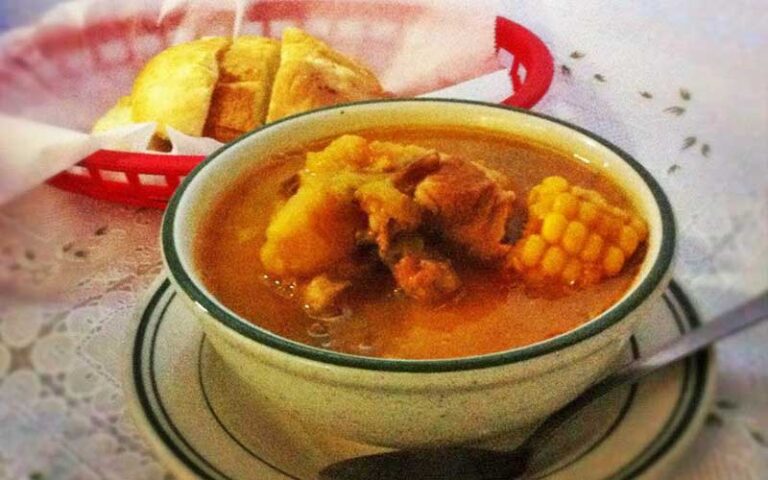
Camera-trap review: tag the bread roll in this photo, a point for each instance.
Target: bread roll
(117, 116)
(222, 88)
(241, 97)
(175, 87)
(313, 75)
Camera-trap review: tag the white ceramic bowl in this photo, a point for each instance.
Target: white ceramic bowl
(407, 403)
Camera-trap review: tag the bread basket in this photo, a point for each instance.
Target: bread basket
(149, 179)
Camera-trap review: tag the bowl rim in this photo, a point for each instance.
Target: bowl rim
(614, 315)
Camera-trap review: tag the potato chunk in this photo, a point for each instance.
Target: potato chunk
(352, 153)
(314, 229)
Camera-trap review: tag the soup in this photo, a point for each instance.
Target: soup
(521, 262)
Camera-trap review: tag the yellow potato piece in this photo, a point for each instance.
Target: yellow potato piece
(312, 231)
(345, 153)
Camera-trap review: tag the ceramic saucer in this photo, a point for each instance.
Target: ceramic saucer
(192, 410)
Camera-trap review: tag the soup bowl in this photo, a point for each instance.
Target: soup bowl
(416, 403)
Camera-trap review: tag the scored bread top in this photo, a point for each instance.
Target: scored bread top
(175, 87)
(313, 75)
(241, 97)
(221, 88)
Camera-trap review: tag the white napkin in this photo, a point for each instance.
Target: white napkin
(31, 152)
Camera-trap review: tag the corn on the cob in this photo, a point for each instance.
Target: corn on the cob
(574, 236)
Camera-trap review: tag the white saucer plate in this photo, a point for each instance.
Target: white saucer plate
(195, 413)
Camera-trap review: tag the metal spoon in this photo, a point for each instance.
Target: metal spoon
(459, 463)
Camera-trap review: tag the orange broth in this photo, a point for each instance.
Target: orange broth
(492, 312)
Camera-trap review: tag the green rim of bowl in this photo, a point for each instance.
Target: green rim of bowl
(593, 327)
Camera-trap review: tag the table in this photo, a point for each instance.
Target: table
(680, 85)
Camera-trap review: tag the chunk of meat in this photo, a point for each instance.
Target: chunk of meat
(411, 175)
(425, 279)
(469, 207)
(419, 271)
(387, 157)
(317, 226)
(502, 180)
(322, 292)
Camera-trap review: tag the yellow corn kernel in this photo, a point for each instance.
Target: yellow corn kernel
(608, 227)
(628, 240)
(588, 212)
(640, 227)
(553, 261)
(532, 250)
(590, 195)
(537, 210)
(555, 184)
(567, 204)
(553, 227)
(591, 274)
(534, 195)
(592, 248)
(613, 261)
(620, 213)
(542, 207)
(572, 271)
(574, 237)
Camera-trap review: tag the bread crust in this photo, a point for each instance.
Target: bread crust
(313, 75)
(176, 86)
(241, 97)
(222, 88)
(117, 116)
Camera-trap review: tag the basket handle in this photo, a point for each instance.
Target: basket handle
(142, 162)
(533, 55)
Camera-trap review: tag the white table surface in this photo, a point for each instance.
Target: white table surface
(72, 268)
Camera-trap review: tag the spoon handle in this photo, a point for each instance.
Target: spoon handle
(724, 325)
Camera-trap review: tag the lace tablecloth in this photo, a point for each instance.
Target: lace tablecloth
(682, 87)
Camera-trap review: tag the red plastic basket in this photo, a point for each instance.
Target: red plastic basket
(149, 180)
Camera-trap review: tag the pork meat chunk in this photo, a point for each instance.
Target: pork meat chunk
(469, 206)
